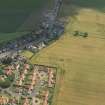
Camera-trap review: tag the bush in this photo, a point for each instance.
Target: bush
(7, 82)
(7, 60)
(1, 71)
(85, 35)
(11, 78)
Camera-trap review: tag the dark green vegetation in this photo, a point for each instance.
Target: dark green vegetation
(5, 80)
(97, 4)
(6, 83)
(13, 13)
(83, 34)
(7, 60)
(20, 4)
(5, 37)
(19, 16)
(93, 4)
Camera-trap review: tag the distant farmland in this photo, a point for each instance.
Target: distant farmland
(15, 15)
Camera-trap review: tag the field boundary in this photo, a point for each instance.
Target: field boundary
(59, 77)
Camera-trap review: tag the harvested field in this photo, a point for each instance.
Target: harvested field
(82, 59)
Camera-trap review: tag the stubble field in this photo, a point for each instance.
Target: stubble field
(81, 59)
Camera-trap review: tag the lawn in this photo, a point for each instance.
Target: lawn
(82, 59)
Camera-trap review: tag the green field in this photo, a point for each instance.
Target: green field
(82, 59)
(13, 13)
(5, 37)
(20, 15)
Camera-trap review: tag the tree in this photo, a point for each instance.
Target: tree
(7, 60)
(85, 35)
(1, 71)
(76, 33)
(5, 84)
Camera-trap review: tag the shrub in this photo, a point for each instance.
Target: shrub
(7, 60)
(85, 35)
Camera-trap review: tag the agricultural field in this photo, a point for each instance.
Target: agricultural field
(5, 37)
(81, 59)
(20, 16)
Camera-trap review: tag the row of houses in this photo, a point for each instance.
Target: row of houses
(36, 47)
